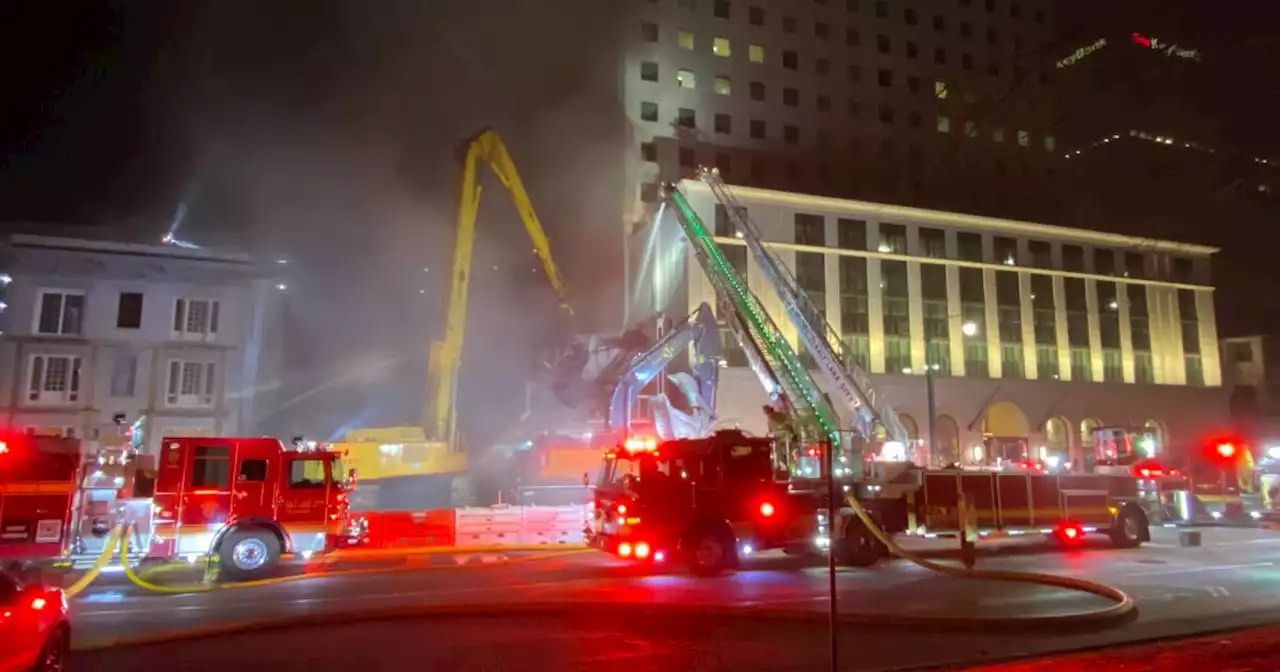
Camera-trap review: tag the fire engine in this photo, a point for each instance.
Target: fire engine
(245, 501)
(712, 501)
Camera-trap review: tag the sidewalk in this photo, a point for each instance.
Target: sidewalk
(1244, 651)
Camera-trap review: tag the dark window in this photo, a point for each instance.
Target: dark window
(909, 17)
(1073, 258)
(649, 151)
(790, 60)
(1077, 312)
(129, 311)
(757, 90)
(1005, 249)
(883, 45)
(893, 238)
(306, 474)
(886, 117)
(822, 66)
(851, 234)
(966, 61)
(913, 85)
(648, 111)
(810, 230)
(939, 23)
(1104, 262)
(933, 243)
(723, 123)
(933, 282)
(1133, 266)
(687, 118)
(252, 471)
(211, 468)
(852, 37)
(855, 73)
(649, 71)
(1109, 314)
(791, 134)
(821, 30)
(757, 129)
(913, 49)
(940, 56)
(755, 15)
(824, 103)
(882, 10)
(1043, 310)
(969, 246)
(966, 31)
(790, 97)
(649, 32)
(884, 78)
(789, 24)
(971, 286)
(721, 9)
(1183, 270)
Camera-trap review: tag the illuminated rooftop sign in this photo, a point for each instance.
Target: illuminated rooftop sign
(1156, 44)
(1081, 52)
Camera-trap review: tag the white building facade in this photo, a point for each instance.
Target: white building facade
(98, 331)
(1031, 331)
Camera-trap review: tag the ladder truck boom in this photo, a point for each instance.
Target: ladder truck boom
(828, 349)
(762, 336)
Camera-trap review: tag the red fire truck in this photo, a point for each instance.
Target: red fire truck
(247, 501)
(717, 499)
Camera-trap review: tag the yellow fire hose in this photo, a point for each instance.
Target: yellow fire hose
(1124, 604)
(104, 558)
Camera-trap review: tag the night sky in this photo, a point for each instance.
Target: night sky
(326, 132)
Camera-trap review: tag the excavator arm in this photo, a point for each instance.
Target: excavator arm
(438, 416)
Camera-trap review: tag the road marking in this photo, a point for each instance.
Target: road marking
(1192, 570)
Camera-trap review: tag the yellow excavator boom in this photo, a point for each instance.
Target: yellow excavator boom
(439, 418)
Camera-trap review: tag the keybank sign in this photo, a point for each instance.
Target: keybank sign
(1156, 44)
(1081, 52)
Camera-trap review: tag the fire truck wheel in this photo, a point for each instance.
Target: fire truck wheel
(248, 554)
(857, 547)
(710, 552)
(1129, 529)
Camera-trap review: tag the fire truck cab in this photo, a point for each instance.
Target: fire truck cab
(707, 501)
(248, 501)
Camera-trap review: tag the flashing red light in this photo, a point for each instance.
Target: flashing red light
(1143, 40)
(641, 550)
(813, 452)
(622, 509)
(1070, 532)
(767, 509)
(38, 603)
(4, 447)
(624, 550)
(1227, 450)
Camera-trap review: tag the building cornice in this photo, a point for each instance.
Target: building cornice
(900, 214)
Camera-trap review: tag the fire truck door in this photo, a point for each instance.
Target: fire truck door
(300, 505)
(250, 490)
(205, 501)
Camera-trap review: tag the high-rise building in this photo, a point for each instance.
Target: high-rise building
(937, 104)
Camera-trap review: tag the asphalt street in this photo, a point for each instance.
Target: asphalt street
(1232, 581)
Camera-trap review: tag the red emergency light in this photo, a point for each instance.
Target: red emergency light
(767, 509)
(1227, 450)
(4, 447)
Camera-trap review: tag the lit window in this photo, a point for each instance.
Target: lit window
(1024, 139)
(723, 86)
(1049, 143)
(940, 90)
(944, 124)
(686, 40)
(686, 79)
(720, 46)
(755, 53)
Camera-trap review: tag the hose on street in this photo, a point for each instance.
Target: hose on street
(104, 558)
(1123, 605)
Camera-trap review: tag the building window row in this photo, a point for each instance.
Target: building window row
(61, 312)
(822, 30)
(58, 379)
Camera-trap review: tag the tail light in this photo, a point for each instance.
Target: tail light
(1070, 532)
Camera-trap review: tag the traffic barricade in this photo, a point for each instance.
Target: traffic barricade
(487, 526)
(552, 525)
(411, 529)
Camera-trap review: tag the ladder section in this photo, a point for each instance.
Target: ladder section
(828, 349)
(755, 329)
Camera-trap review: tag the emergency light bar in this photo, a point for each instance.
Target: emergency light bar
(640, 444)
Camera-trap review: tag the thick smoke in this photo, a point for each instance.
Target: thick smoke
(332, 132)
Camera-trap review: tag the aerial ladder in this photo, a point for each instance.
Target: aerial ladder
(837, 361)
(439, 417)
(771, 357)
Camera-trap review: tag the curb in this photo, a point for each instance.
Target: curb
(614, 610)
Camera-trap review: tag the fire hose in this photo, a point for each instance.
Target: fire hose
(1123, 603)
(104, 558)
